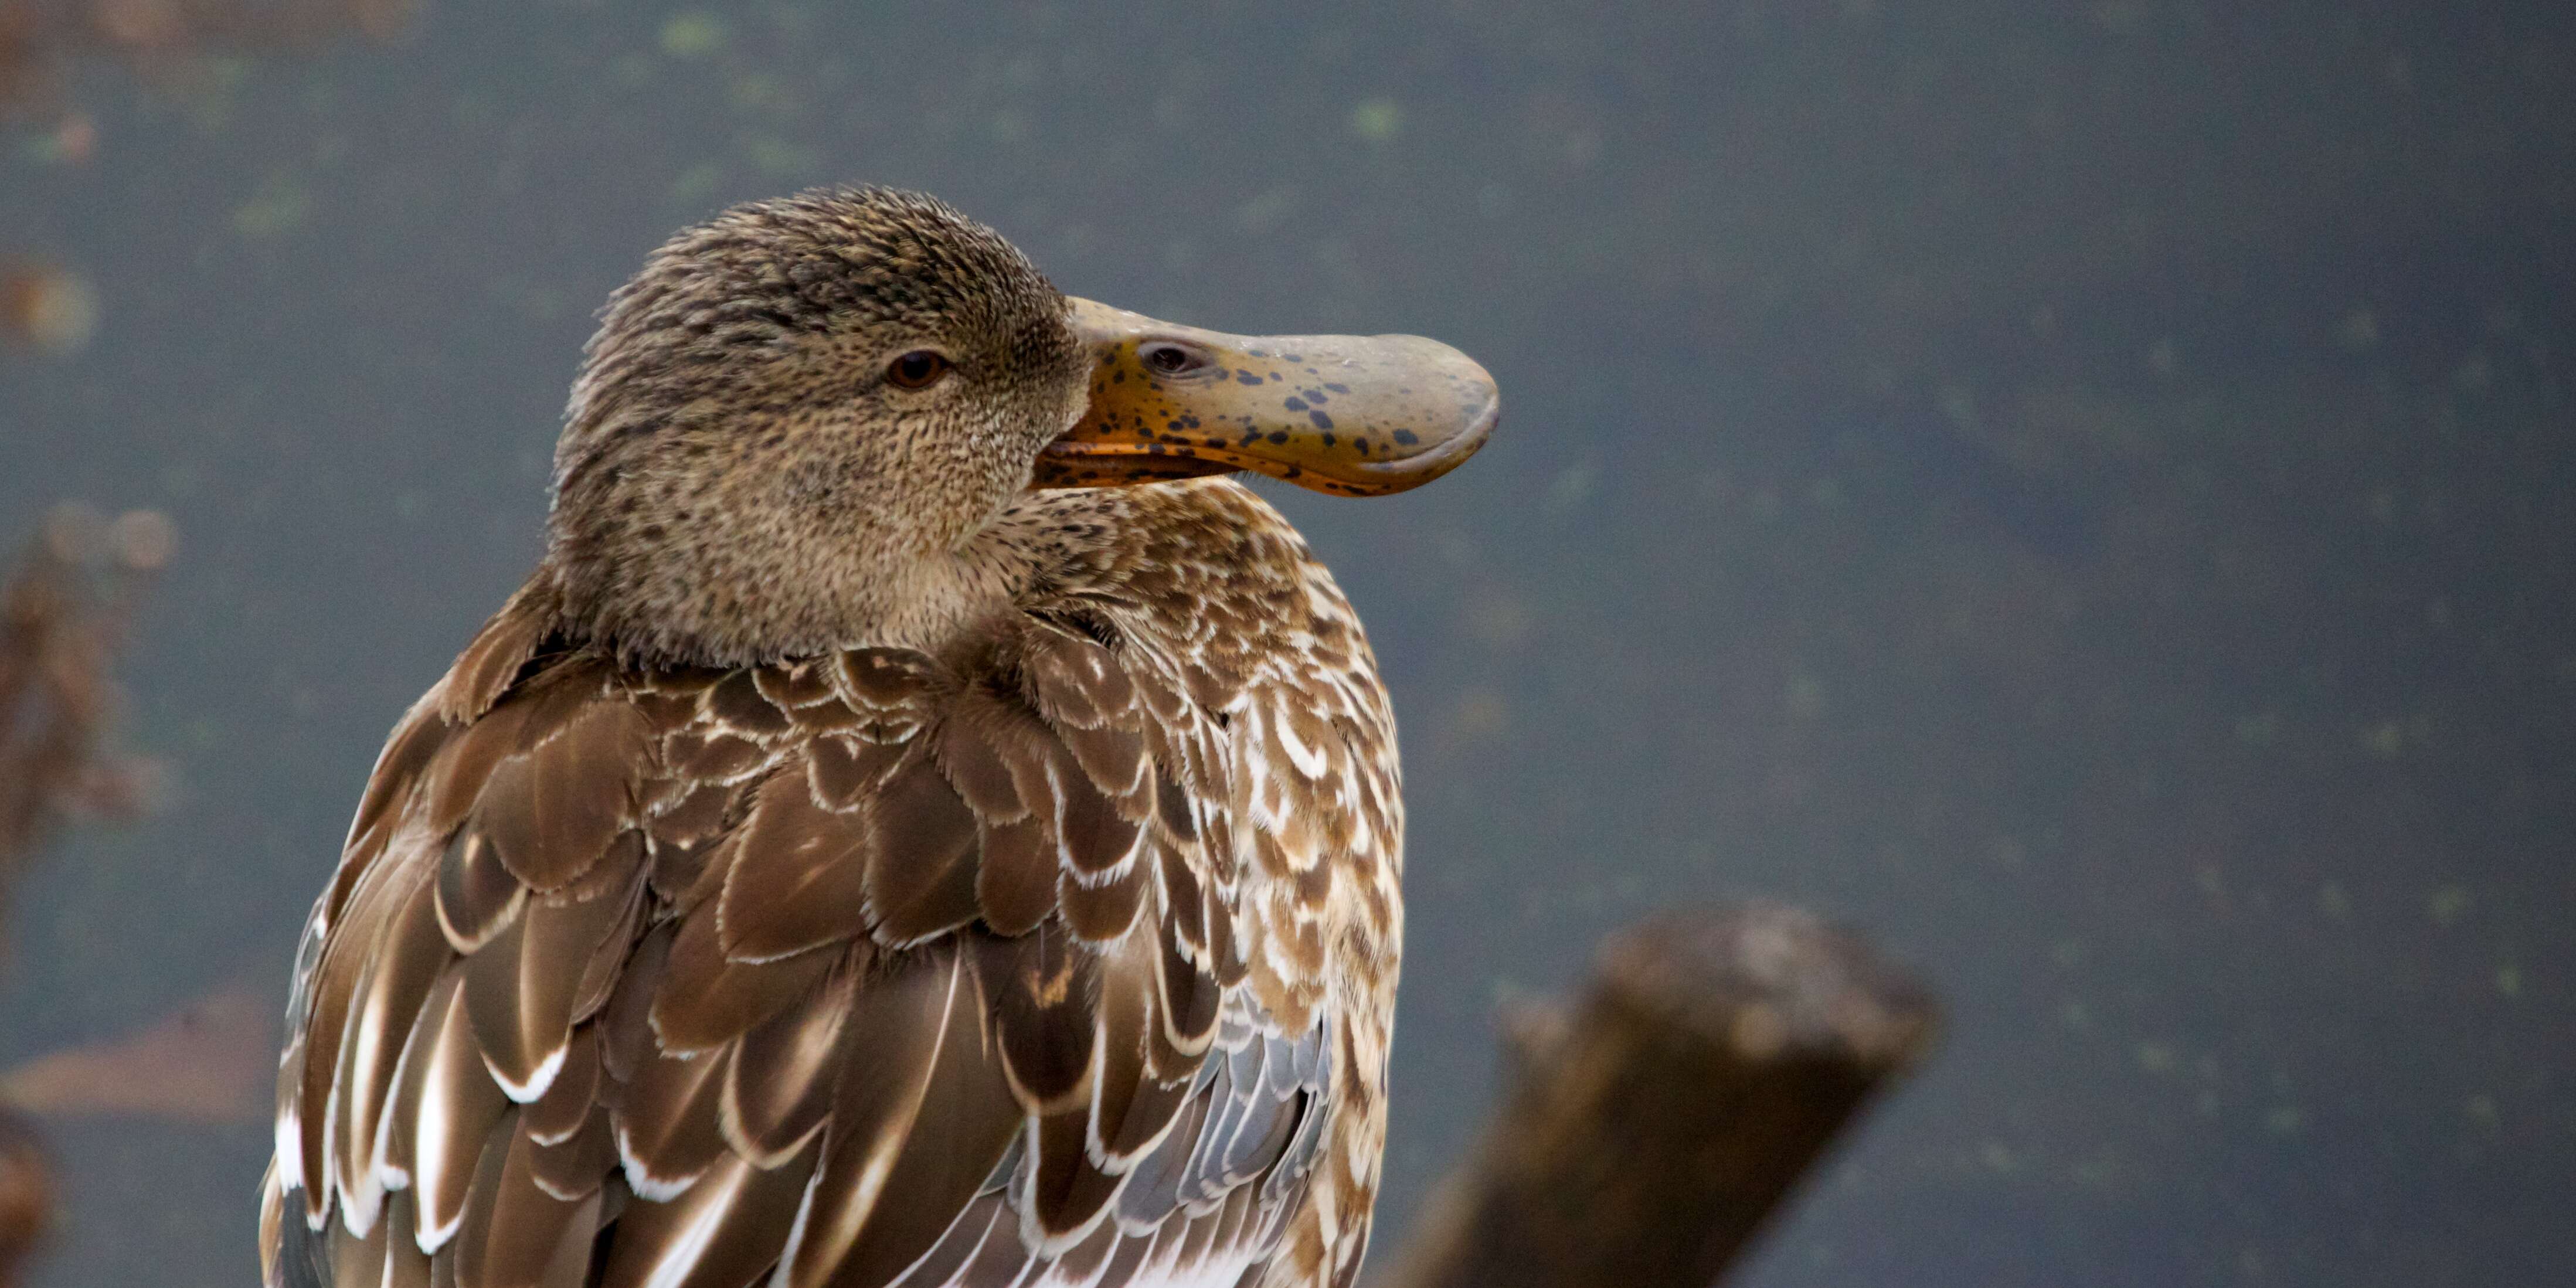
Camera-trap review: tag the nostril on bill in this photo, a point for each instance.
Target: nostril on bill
(1164, 358)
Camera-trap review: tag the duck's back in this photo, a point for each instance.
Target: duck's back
(1065, 956)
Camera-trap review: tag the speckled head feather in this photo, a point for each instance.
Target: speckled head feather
(739, 479)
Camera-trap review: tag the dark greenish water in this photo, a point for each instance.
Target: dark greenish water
(2079, 491)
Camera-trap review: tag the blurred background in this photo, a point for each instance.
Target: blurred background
(2080, 491)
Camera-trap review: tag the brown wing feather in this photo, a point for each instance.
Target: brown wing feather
(1042, 988)
(382, 1018)
(551, 811)
(579, 1163)
(518, 1234)
(797, 877)
(522, 989)
(477, 896)
(709, 999)
(856, 965)
(782, 1078)
(447, 1112)
(666, 1119)
(572, 1095)
(723, 1232)
(919, 855)
(341, 974)
(921, 1118)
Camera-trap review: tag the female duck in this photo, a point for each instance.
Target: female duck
(911, 828)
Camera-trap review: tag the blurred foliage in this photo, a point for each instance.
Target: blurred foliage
(40, 39)
(61, 619)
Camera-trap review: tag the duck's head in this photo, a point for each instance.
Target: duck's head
(803, 423)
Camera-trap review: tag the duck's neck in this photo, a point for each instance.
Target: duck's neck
(934, 602)
(689, 604)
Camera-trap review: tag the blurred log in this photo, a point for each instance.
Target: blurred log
(1653, 1129)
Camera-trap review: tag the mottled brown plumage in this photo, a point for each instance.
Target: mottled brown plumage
(842, 863)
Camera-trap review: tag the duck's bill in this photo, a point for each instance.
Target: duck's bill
(1347, 414)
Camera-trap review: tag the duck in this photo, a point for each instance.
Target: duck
(924, 821)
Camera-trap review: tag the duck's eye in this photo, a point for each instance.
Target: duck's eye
(1169, 359)
(919, 369)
